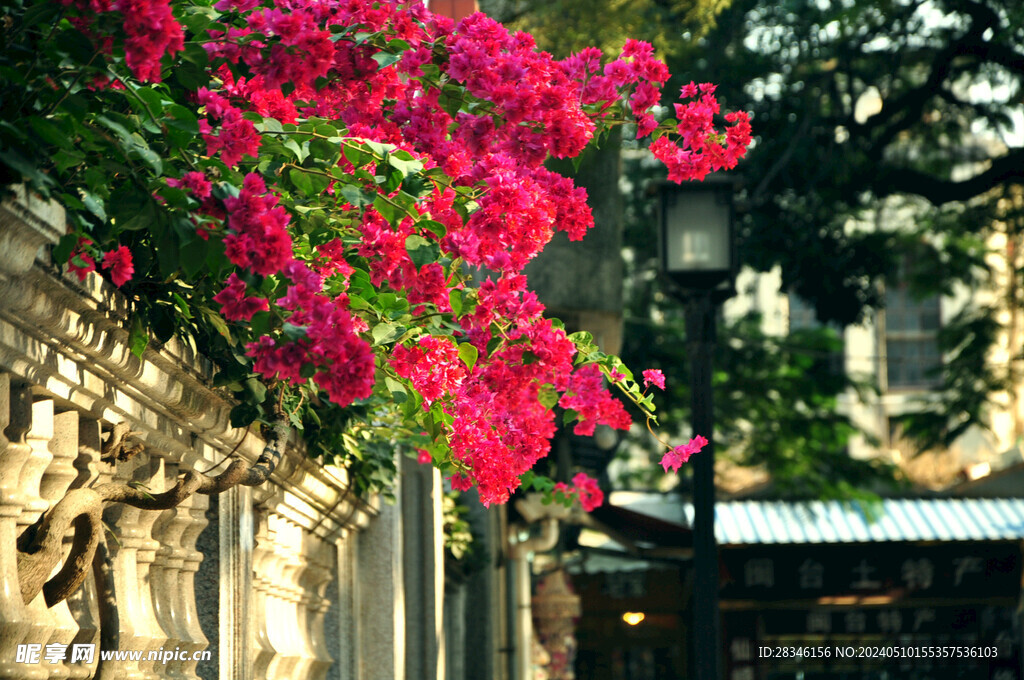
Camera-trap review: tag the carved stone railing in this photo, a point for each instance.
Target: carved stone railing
(261, 559)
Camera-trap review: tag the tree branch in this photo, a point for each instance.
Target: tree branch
(900, 180)
(40, 552)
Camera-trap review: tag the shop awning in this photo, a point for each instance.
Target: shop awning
(895, 519)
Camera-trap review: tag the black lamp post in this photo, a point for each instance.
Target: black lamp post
(698, 256)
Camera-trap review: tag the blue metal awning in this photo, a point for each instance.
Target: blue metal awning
(753, 522)
(942, 519)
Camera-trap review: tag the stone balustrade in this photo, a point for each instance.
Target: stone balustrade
(263, 581)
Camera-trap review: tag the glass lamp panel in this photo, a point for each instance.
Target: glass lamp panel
(698, 232)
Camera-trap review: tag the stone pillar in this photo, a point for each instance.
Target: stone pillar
(239, 596)
(346, 666)
(455, 631)
(381, 613)
(423, 570)
(486, 621)
(15, 622)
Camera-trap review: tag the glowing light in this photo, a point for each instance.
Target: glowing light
(633, 618)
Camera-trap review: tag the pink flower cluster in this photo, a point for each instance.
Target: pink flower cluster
(235, 304)
(432, 365)
(585, 488)
(118, 261)
(342, 362)
(487, 112)
(151, 31)
(675, 458)
(500, 423)
(236, 137)
(259, 238)
(587, 396)
(700, 149)
(653, 376)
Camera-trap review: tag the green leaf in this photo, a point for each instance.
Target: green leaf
(193, 256)
(255, 390)
(356, 156)
(243, 414)
(43, 12)
(138, 337)
(303, 181)
(388, 210)
(547, 396)
(293, 332)
(300, 152)
(384, 333)
(468, 353)
(385, 59)
(353, 195)
(219, 324)
(435, 228)
(50, 133)
(94, 205)
(398, 392)
(167, 253)
(455, 300)
(421, 251)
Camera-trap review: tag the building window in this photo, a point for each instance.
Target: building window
(912, 354)
(803, 317)
(801, 314)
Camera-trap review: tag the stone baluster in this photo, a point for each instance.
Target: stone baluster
(35, 422)
(151, 636)
(168, 560)
(319, 574)
(56, 480)
(173, 586)
(83, 603)
(90, 468)
(263, 562)
(192, 635)
(284, 599)
(15, 626)
(131, 554)
(299, 601)
(38, 438)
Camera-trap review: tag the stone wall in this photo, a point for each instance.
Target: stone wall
(284, 580)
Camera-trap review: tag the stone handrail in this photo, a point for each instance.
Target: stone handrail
(67, 380)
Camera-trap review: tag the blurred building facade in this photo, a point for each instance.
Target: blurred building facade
(896, 349)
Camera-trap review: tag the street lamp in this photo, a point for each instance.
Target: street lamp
(698, 256)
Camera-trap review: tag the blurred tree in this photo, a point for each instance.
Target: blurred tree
(566, 26)
(861, 102)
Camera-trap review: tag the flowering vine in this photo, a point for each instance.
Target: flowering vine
(335, 199)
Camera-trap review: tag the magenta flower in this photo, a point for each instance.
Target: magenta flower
(119, 262)
(591, 495)
(653, 376)
(235, 306)
(681, 454)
